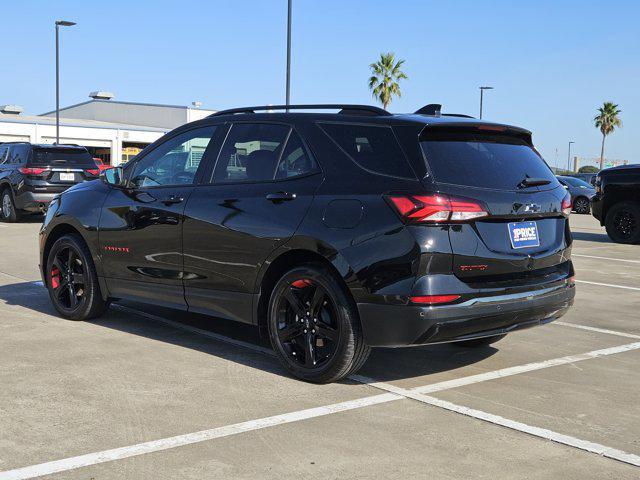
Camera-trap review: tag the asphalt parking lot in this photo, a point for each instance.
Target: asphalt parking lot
(148, 393)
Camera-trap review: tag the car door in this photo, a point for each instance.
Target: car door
(140, 233)
(258, 193)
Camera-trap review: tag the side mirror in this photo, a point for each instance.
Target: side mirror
(113, 176)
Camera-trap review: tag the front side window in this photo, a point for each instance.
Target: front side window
(175, 161)
(250, 153)
(372, 147)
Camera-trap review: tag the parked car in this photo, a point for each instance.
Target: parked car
(590, 178)
(332, 232)
(100, 164)
(616, 203)
(31, 175)
(581, 193)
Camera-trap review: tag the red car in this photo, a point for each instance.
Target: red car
(101, 165)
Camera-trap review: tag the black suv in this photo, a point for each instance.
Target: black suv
(332, 232)
(616, 203)
(31, 175)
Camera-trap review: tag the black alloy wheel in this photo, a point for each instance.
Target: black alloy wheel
(582, 205)
(623, 222)
(314, 327)
(72, 281)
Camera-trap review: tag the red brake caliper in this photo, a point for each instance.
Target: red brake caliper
(301, 283)
(55, 278)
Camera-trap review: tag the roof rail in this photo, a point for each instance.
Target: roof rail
(345, 109)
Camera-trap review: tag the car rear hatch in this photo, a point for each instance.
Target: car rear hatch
(519, 233)
(63, 166)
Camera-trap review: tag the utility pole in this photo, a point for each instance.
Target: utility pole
(59, 23)
(482, 89)
(288, 94)
(569, 157)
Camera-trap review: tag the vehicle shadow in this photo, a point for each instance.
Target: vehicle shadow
(383, 365)
(591, 237)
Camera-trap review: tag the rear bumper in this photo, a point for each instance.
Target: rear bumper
(34, 202)
(596, 207)
(404, 325)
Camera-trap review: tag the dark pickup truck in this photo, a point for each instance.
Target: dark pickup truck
(616, 203)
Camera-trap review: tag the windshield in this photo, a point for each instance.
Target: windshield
(483, 160)
(63, 157)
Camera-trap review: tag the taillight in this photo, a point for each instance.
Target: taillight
(566, 205)
(93, 171)
(436, 208)
(434, 299)
(32, 171)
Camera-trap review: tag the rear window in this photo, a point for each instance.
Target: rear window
(374, 148)
(63, 157)
(482, 160)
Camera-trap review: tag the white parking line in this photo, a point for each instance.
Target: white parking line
(605, 258)
(596, 329)
(625, 287)
(72, 463)
(515, 425)
(394, 394)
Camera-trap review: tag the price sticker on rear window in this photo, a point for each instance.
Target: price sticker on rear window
(524, 234)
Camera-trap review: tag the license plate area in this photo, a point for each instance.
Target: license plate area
(523, 234)
(67, 177)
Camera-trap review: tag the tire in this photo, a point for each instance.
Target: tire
(582, 205)
(623, 222)
(8, 210)
(83, 287)
(314, 326)
(481, 342)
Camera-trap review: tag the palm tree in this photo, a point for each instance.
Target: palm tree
(385, 76)
(607, 120)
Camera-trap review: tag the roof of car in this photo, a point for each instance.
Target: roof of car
(46, 145)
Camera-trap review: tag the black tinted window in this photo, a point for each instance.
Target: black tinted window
(295, 159)
(19, 154)
(63, 157)
(483, 160)
(175, 161)
(374, 148)
(250, 153)
(4, 154)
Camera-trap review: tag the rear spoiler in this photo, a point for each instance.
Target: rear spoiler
(480, 128)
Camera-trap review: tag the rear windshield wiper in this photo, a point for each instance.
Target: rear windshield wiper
(533, 182)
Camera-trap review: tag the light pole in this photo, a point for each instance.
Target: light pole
(59, 23)
(482, 89)
(288, 95)
(569, 157)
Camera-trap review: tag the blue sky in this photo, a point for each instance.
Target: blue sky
(552, 63)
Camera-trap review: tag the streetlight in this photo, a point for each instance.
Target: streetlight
(288, 99)
(482, 89)
(59, 23)
(569, 157)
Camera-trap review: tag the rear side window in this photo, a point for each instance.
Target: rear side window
(250, 153)
(482, 160)
(4, 151)
(372, 147)
(62, 157)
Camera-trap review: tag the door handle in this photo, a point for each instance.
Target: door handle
(281, 197)
(172, 199)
